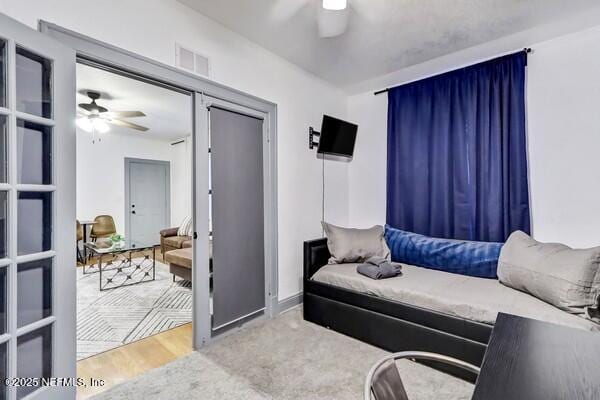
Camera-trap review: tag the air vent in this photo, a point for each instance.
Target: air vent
(191, 61)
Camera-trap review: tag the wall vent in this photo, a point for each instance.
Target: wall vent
(191, 61)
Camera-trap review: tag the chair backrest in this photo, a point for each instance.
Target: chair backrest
(104, 226)
(79, 231)
(387, 384)
(383, 380)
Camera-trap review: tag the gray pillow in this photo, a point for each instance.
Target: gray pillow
(350, 245)
(564, 277)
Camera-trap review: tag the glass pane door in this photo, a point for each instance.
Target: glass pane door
(37, 223)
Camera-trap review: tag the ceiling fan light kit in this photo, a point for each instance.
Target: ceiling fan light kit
(335, 5)
(92, 124)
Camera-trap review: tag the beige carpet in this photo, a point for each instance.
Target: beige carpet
(285, 358)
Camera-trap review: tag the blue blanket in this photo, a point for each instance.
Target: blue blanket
(464, 257)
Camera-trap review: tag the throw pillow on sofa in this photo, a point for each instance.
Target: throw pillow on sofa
(186, 228)
(351, 245)
(555, 273)
(479, 259)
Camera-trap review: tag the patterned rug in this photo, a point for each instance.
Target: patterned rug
(115, 317)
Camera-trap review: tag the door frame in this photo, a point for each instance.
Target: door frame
(92, 50)
(128, 162)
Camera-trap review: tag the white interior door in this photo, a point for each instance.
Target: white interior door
(37, 214)
(149, 198)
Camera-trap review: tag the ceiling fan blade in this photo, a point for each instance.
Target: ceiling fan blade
(87, 107)
(126, 124)
(124, 114)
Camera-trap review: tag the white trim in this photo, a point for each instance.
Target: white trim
(4, 111)
(36, 256)
(22, 187)
(4, 338)
(201, 271)
(36, 325)
(35, 119)
(289, 302)
(11, 309)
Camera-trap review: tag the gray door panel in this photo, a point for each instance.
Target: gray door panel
(237, 215)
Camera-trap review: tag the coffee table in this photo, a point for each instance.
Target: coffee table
(122, 264)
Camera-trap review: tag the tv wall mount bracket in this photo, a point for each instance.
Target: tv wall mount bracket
(311, 138)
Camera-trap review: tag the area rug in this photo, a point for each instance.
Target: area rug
(111, 318)
(284, 358)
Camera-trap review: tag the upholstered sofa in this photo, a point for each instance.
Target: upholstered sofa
(170, 240)
(180, 263)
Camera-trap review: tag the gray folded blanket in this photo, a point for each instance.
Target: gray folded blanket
(379, 268)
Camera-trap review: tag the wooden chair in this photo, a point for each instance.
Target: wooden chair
(104, 227)
(383, 380)
(80, 257)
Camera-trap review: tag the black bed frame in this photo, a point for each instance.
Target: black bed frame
(388, 324)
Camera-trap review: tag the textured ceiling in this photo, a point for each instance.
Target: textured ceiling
(383, 35)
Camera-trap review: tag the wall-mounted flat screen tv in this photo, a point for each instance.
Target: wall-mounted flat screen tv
(337, 137)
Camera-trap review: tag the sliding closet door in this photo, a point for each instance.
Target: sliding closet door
(236, 142)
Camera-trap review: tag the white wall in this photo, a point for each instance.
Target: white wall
(101, 174)
(563, 100)
(151, 28)
(181, 181)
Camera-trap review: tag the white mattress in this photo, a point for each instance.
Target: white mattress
(476, 299)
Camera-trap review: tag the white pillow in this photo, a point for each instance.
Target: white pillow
(186, 228)
(564, 277)
(350, 245)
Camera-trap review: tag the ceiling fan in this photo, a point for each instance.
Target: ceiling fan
(333, 16)
(95, 118)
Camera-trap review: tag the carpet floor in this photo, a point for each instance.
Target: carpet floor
(112, 318)
(284, 358)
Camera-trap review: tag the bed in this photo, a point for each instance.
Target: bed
(423, 310)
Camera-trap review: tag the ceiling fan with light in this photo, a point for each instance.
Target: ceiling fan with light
(332, 15)
(93, 118)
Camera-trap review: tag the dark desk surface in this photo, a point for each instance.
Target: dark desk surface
(534, 360)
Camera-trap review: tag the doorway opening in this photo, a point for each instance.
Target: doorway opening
(201, 93)
(134, 207)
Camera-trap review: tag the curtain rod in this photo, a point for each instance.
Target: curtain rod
(526, 50)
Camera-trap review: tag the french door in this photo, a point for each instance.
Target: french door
(37, 215)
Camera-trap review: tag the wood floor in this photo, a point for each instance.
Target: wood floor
(127, 362)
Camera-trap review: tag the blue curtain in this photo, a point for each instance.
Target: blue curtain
(457, 158)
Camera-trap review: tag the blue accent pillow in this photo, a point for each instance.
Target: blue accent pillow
(464, 257)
